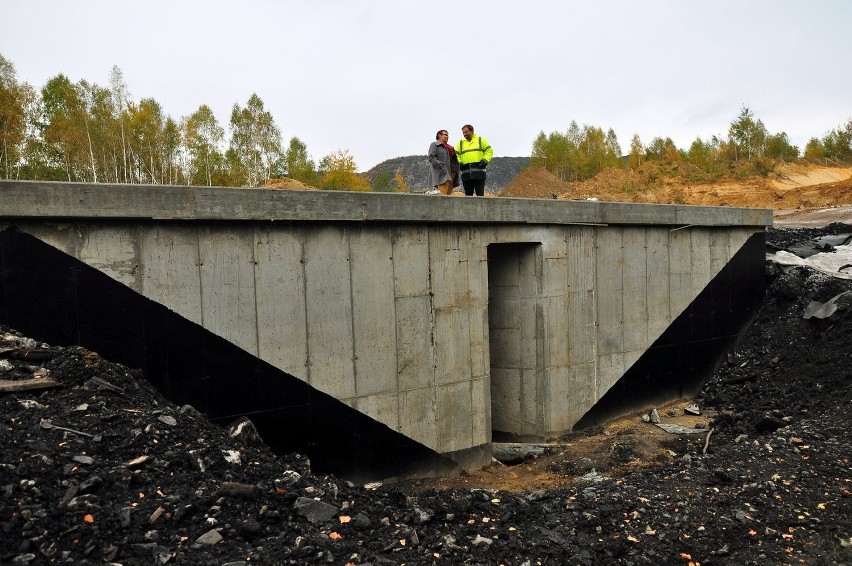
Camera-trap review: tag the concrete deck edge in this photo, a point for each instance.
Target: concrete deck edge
(68, 201)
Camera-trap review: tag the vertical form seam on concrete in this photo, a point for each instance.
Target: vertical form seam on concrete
(594, 277)
(647, 340)
(393, 238)
(398, 427)
(565, 313)
(254, 262)
(304, 293)
(439, 441)
(137, 258)
(621, 232)
(347, 234)
(198, 264)
(140, 281)
(471, 246)
(76, 238)
(542, 384)
(669, 317)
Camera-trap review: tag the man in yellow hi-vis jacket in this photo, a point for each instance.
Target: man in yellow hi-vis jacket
(474, 155)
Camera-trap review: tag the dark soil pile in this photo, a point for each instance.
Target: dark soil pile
(99, 468)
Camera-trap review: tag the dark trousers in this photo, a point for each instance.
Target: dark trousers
(472, 186)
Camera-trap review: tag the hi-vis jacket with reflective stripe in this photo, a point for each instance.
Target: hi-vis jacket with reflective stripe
(474, 151)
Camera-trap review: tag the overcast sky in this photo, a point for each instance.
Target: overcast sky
(379, 78)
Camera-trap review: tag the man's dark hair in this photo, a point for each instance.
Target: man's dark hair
(468, 126)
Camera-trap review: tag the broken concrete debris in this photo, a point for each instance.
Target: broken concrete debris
(653, 416)
(816, 309)
(692, 409)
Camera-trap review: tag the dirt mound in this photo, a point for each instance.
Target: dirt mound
(287, 183)
(791, 186)
(534, 182)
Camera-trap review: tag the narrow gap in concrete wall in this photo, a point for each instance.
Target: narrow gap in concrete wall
(514, 293)
(52, 297)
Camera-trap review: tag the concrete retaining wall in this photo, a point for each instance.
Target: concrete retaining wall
(443, 318)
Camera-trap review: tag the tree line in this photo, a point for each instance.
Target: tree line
(90, 133)
(86, 132)
(581, 153)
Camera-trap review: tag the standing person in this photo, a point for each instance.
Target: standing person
(444, 173)
(474, 155)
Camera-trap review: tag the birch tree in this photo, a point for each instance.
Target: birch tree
(637, 152)
(146, 139)
(299, 164)
(63, 131)
(255, 146)
(171, 143)
(120, 97)
(12, 120)
(748, 133)
(202, 139)
(557, 153)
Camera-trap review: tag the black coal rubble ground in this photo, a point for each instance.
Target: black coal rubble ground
(148, 482)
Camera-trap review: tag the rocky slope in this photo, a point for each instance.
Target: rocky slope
(415, 171)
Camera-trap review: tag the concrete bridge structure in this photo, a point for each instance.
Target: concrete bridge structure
(447, 321)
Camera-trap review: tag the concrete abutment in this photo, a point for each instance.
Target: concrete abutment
(439, 319)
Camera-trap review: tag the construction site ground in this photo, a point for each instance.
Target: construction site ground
(97, 467)
(792, 190)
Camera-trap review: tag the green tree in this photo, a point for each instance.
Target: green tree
(255, 142)
(661, 149)
(637, 152)
(556, 153)
(837, 143)
(120, 100)
(748, 133)
(63, 127)
(578, 153)
(778, 147)
(99, 124)
(202, 137)
(12, 120)
(339, 173)
(170, 149)
(814, 149)
(146, 128)
(590, 152)
(299, 164)
(383, 183)
(612, 147)
(700, 154)
(574, 134)
(833, 145)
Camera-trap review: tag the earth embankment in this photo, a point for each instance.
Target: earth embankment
(790, 189)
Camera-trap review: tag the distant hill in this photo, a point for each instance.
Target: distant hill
(415, 171)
